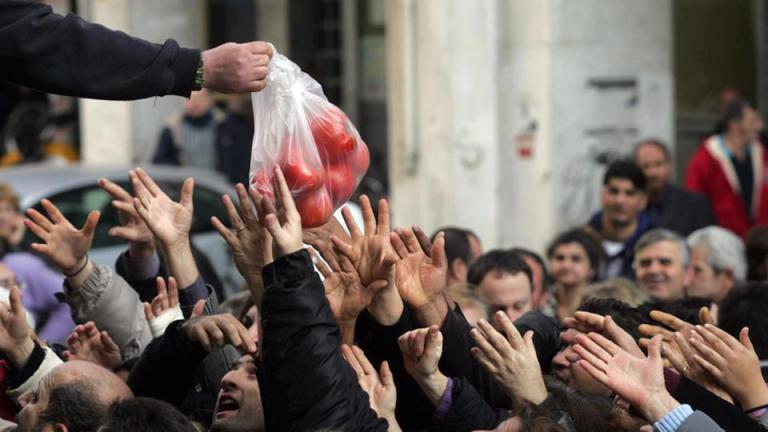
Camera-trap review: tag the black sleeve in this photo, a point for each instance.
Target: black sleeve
(167, 367)
(145, 288)
(305, 382)
(469, 411)
(458, 361)
(728, 416)
(70, 56)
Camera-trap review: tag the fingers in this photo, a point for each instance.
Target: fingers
(328, 255)
(89, 228)
(654, 348)
(499, 342)
(653, 330)
(351, 358)
(596, 373)
(286, 200)
(187, 191)
(744, 338)
(14, 301)
(439, 258)
(173, 292)
(668, 320)
(321, 265)
(234, 216)
(363, 360)
(592, 347)
(108, 343)
(147, 182)
(53, 211)
(385, 374)
(724, 337)
(594, 321)
(410, 240)
(126, 206)
(398, 245)
(513, 336)
(114, 190)
(489, 351)
(246, 207)
(383, 226)
(705, 316)
(148, 314)
(225, 233)
(349, 221)
(604, 343)
(38, 218)
(199, 309)
(421, 236)
(342, 247)
(369, 220)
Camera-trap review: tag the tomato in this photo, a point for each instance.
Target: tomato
(314, 207)
(301, 175)
(262, 182)
(340, 181)
(333, 134)
(362, 159)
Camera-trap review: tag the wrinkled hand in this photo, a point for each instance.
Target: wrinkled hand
(638, 381)
(64, 244)
(168, 220)
(325, 232)
(237, 68)
(346, 294)
(370, 252)
(249, 241)
(380, 387)
(733, 363)
(422, 349)
(87, 343)
(419, 278)
(214, 331)
(167, 298)
(133, 228)
(511, 360)
(586, 322)
(15, 335)
(283, 222)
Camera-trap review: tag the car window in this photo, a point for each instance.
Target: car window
(207, 203)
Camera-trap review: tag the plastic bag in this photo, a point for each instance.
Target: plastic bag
(318, 148)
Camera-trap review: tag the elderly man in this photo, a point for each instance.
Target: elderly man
(661, 259)
(718, 263)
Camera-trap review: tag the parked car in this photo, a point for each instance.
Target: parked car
(73, 189)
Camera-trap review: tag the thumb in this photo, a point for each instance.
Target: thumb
(199, 309)
(148, 312)
(90, 223)
(186, 192)
(744, 338)
(386, 375)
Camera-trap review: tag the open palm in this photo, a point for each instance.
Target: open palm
(169, 221)
(418, 277)
(64, 244)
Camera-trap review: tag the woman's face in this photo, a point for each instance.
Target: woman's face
(9, 219)
(570, 265)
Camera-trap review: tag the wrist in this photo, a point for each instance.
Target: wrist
(77, 267)
(433, 385)
(432, 313)
(658, 406)
(756, 398)
(20, 355)
(347, 329)
(387, 306)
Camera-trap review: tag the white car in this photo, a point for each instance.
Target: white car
(73, 189)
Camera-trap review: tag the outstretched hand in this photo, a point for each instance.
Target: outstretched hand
(64, 244)
(89, 344)
(419, 278)
(134, 230)
(169, 221)
(380, 386)
(15, 335)
(283, 222)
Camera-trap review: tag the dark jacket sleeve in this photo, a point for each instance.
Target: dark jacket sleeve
(305, 382)
(469, 411)
(728, 416)
(166, 152)
(70, 56)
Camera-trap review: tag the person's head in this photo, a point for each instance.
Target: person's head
(686, 309)
(198, 104)
(623, 194)
(459, 251)
(569, 371)
(619, 289)
(652, 156)
(745, 306)
(505, 280)
(74, 396)
(574, 258)
(10, 210)
(539, 274)
(717, 263)
(145, 414)
(528, 417)
(740, 121)
(756, 245)
(588, 411)
(238, 408)
(473, 305)
(661, 259)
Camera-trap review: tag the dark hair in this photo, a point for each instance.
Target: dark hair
(589, 412)
(625, 170)
(733, 111)
(75, 405)
(498, 260)
(654, 142)
(523, 253)
(595, 252)
(687, 309)
(745, 306)
(145, 414)
(533, 418)
(756, 246)
(456, 244)
(624, 315)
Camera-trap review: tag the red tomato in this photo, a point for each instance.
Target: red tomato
(262, 182)
(362, 159)
(301, 175)
(315, 208)
(332, 132)
(340, 181)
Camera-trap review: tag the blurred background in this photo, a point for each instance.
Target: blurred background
(487, 114)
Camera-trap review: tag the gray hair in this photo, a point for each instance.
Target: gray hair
(726, 250)
(662, 234)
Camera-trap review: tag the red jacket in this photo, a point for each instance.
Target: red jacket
(711, 173)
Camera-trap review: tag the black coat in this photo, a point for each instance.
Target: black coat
(682, 211)
(69, 56)
(306, 385)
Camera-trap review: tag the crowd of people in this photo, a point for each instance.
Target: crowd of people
(648, 317)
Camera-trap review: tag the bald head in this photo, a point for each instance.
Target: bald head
(107, 386)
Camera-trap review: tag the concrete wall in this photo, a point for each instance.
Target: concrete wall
(501, 111)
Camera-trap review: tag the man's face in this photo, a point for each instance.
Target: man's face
(33, 405)
(750, 124)
(238, 408)
(655, 165)
(622, 202)
(566, 368)
(703, 280)
(507, 292)
(660, 270)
